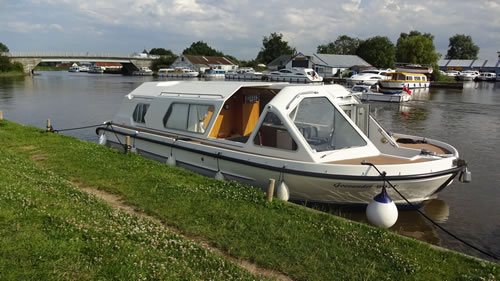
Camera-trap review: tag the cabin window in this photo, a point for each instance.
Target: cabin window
(139, 112)
(323, 126)
(273, 133)
(188, 117)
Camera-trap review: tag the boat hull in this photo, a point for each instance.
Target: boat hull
(395, 97)
(399, 85)
(308, 184)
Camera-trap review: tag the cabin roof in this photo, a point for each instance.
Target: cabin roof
(220, 90)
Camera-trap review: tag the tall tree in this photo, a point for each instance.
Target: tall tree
(344, 45)
(3, 48)
(273, 47)
(378, 51)
(416, 47)
(201, 48)
(161, 52)
(461, 47)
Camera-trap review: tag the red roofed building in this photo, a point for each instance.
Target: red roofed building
(200, 63)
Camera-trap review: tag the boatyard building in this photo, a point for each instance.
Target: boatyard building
(201, 63)
(327, 65)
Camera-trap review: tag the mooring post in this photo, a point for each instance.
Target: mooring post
(49, 127)
(127, 144)
(270, 190)
(1, 115)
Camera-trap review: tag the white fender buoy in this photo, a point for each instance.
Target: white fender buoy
(103, 139)
(382, 211)
(133, 149)
(283, 193)
(171, 160)
(219, 176)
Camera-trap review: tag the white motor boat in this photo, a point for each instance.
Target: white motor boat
(403, 80)
(84, 68)
(316, 141)
(143, 71)
(244, 73)
(451, 73)
(214, 73)
(299, 75)
(96, 69)
(74, 68)
(467, 75)
(486, 76)
(182, 72)
(367, 93)
(368, 77)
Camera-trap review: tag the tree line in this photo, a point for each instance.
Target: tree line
(413, 47)
(5, 64)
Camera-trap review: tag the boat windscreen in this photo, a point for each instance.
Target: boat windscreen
(323, 126)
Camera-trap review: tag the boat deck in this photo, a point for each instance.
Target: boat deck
(430, 147)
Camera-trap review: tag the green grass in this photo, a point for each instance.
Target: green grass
(11, 73)
(304, 244)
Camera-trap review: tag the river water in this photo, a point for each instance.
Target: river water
(469, 119)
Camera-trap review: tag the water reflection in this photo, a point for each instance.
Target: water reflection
(410, 223)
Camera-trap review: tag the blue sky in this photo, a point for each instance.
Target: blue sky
(237, 27)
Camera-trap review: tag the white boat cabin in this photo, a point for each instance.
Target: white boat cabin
(274, 119)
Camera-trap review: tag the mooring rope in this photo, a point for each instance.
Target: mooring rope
(71, 129)
(383, 174)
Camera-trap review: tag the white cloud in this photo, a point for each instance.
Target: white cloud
(225, 23)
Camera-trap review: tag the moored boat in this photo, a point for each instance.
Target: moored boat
(315, 140)
(96, 69)
(143, 71)
(486, 76)
(244, 73)
(214, 73)
(371, 93)
(177, 72)
(368, 77)
(299, 75)
(467, 75)
(400, 80)
(74, 68)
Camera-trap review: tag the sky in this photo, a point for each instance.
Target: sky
(237, 27)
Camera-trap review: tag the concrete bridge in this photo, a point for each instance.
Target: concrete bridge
(31, 59)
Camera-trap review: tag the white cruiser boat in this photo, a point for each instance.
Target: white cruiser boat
(143, 71)
(403, 80)
(368, 77)
(367, 93)
(214, 73)
(299, 75)
(177, 72)
(244, 73)
(316, 141)
(96, 69)
(74, 68)
(486, 76)
(467, 75)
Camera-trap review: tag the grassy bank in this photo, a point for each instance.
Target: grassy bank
(11, 74)
(49, 216)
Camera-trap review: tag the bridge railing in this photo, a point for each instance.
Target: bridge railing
(73, 55)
